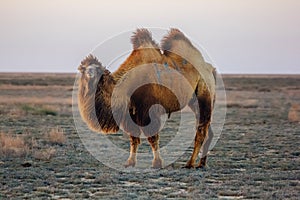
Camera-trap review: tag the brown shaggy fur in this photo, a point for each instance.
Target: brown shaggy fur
(98, 84)
(94, 97)
(90, 60)
(142, 38)
(174, 34)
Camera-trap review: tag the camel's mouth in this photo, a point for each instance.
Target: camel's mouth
(90, 75)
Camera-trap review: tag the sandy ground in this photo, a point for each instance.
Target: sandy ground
(257, 155)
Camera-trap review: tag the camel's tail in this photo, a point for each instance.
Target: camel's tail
(142, 38)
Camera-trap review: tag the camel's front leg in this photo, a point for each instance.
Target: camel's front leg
(134, 142)
(154, 142)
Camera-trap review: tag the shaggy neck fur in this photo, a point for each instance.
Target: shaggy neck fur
(95, 103)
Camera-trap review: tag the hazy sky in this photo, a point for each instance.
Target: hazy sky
(241, 36)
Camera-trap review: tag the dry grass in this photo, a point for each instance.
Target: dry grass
(44, 154)
(8, 99)
(23, 110)
(56, 136)
(16, 112)
(294, 113)
(13, 146)
(35, 87)
(242, 103)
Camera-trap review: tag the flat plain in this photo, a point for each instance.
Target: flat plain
(43, 157)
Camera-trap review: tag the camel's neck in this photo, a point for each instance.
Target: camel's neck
(95, 103)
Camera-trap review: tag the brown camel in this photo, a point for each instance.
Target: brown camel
(175, 75)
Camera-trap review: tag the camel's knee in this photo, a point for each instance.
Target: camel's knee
(154, 142)
(203, 129)
(134, 141)
(153, 139)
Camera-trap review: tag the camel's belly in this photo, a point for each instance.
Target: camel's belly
(172, 99)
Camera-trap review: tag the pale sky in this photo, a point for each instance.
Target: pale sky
(241, 36)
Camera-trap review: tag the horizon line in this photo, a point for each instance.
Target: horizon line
(68, 72)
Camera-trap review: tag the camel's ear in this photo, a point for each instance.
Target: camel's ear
(81, 68)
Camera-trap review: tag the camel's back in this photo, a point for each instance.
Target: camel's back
(156, 83)
(136, 59)
(189, 61)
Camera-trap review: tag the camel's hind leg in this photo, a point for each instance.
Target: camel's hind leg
(204, 107)
(134, 142)
(205, 148)
(154, 142)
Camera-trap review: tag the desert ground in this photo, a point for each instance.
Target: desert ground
(43, 157)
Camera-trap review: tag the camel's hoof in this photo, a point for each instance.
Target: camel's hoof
(202, 167)
(202, 164)
(189, 165)
(157, 164)
(129, 163)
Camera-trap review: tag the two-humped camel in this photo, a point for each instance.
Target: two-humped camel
(104, 110)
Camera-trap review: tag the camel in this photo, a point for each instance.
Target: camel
(105, 97)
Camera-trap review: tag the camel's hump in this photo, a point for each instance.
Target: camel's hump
(142, 38)
(173, 34)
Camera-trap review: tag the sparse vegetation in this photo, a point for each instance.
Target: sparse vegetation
(294, 113)
(45, 111)
(56, 136)
(44, 154)
(38, 110)
(37, 79)
(13, 145)
(16, 112)
(27, 108)
(256, 157)
(24, 145)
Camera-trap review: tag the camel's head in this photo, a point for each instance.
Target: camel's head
(90, 68)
